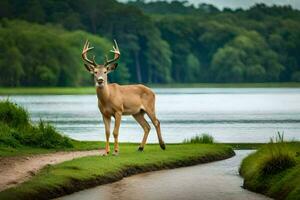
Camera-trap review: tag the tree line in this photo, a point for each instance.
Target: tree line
(160, 42)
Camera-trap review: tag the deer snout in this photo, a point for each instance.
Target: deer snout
(100, 79)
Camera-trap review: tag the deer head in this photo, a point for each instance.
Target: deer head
(100, 71)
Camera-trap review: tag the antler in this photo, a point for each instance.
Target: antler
(117, 53)
(85, 49)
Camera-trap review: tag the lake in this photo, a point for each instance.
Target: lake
(228, 114)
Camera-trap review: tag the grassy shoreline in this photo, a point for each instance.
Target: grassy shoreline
(86, 172)
(274, 170)
(6, 151)
(91, 90)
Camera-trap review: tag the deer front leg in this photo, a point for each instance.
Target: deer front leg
(106, 121)
(118, 117)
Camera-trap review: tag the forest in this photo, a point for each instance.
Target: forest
(160, 42)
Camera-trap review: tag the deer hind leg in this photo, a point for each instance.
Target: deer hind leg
(139, 117)
(106, 121)
(156, 123)
(116, 132)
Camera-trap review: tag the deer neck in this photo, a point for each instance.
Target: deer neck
(103, 93)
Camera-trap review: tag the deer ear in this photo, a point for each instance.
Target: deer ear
(112, 67)
(89, 68)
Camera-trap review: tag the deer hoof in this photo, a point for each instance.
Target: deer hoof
(163, 146)
(116, 153)
(105, 154)
(141, 149)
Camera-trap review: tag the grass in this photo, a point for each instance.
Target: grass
(279, 157)
(7, 151)
(274, 170)
(202, 139)
(78, 174)
(17, 131)
(18, 137)
(13, 115)
(91, 90)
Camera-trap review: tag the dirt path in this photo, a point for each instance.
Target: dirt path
(15, 170)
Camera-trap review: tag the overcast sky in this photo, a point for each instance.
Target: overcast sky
(243, 3)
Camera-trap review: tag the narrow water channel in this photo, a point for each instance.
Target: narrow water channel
(216, 180)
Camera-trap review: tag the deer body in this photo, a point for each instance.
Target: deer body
(129, 99)
(115, 100)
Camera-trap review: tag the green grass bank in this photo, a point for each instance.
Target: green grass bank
(7, 151)
(78, 174)
(20, 137)
(91, 90)
(17, 131)
(274, 170)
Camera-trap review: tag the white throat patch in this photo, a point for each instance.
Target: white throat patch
(98, 85)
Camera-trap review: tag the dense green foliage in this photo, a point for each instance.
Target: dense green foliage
(173, 7)
(16, 130)
(274, 170)
(36, 55)
(90, 171)
(160, 42)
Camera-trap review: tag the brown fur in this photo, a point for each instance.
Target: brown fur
(115, 100)
(136, 100)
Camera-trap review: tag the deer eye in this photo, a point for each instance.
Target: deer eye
(105, 72)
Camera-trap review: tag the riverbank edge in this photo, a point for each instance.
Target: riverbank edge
(280, 185)
(93, 145)
(91, 90)
(76, 185)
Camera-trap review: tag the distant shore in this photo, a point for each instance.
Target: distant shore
(91, 90)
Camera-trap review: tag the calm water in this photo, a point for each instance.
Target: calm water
(207, 181)
(230, 115)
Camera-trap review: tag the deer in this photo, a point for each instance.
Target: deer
(116, 100)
